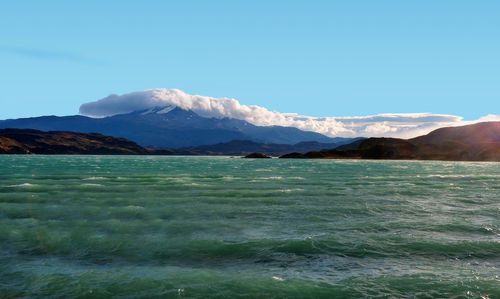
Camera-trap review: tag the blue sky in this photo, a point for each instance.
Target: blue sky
(317, 58)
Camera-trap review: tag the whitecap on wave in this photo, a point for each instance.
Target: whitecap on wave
(463, 176)
(22, 185)
(291, 190)
(449, 176)
(93, 178)
(272, 178)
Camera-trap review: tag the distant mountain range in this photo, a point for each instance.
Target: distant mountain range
(29, 141)
(171, 127)
(477, 142)
(245, 147)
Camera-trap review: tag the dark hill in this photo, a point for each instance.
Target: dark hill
(17, 141)
(477, 142)
(486, 132)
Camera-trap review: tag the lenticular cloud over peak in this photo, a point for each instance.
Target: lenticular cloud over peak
(202, 105)
(404, 125)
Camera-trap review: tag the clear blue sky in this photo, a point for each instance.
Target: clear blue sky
(318, 58)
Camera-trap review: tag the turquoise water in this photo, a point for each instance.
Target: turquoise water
(139, 226)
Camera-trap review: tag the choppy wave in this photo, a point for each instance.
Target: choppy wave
(205, 227)
(271, 178)
(23, 185)
(291, 190)
(93, 178)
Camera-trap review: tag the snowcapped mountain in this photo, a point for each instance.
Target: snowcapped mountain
(169, 126)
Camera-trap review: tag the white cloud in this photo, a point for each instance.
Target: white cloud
(404, 125)
(489, 117)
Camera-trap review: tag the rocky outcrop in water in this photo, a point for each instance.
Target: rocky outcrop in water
(257, 156)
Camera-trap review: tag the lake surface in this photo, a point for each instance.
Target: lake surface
(149, 226)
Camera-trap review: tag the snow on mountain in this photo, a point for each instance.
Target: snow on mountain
(159, 110)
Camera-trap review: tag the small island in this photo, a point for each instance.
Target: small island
(256, 156)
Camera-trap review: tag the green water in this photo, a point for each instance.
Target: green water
(101, 226)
